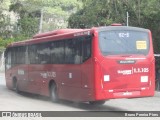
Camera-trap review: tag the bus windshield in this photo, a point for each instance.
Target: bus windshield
(117, 42)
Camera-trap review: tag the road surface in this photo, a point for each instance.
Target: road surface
(11, 101)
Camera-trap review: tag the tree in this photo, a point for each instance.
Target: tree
(5, 24)
(28, 23)
(104, 12)
(55, 14)
(142, 13)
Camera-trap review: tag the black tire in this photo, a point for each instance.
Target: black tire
(16, 88)
(157, 85)
(15, 85)
(97, 102)
(53, 93)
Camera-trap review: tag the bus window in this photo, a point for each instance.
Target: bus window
(123, 42)
(86, 48)
(8, 59)
(73, 50)
(33, 54)
(20, 56)
(57, 52)
(44, 53)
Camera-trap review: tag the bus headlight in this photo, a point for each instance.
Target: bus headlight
(144, 78)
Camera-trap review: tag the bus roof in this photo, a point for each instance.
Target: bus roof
(67, 32)
(122, 28)
(57, 32)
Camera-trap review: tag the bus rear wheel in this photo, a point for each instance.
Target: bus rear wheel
(17, 89)
(157, 85)
(53, 93)
(101, 102)
(15, 85)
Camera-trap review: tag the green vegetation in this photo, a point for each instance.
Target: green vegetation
(75, 14)
(142, 13)
(20, 19)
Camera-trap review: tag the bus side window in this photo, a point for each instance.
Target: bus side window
(8, 60)
(78, 51)
(86, 48)
(44, 53)
(57, 52)
(20, 54)
(27, 61)
(14, 58)
(69, 51)
(73, 48)
(33, 55)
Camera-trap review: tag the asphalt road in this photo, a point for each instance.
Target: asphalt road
(11, 101)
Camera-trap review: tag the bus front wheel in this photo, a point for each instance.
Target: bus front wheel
(53, 93)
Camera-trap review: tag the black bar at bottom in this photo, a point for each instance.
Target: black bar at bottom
(79, 113)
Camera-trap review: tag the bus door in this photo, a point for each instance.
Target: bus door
(20, 58)
(87, 69)
(71, 74)
(71, 82)
(34, 79)
(34, 69)
(8, 66)
(77, 52)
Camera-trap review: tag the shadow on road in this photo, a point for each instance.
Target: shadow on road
(83, 105)
(89, 107)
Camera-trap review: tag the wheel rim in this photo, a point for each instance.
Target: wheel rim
(54, 93)
(16, 87)
(158, 85)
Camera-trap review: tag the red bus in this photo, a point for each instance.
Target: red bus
(84, 65)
